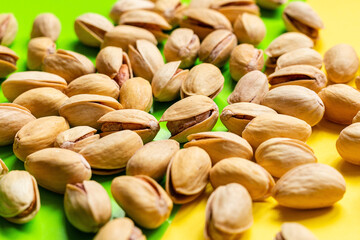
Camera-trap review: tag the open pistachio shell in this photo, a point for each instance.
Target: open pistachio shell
(122, 6)
(38, 49)
(136, 93)
(171, 10)
(8, 59)
(9, 28)
(301, 56)
(46, 25)
(294, 231)
(3, 168)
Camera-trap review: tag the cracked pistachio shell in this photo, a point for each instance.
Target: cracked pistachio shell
(136, 93)
(171, 10)
(38, 134)
(294, 231)
(217, 47)
(310, 186)
(266, 126)
(19, 197)
(152, 159)
(86, 109)
(279, 155)
(143, 199)
(203, 79)
(183, 45)
(221, 145)
(3, 168)
(348, 143)
(12, 118)
(8, 59)
(301, 56)
(54, 168)
(187, 174)
(87, 205)
(245, 58)
(38, 49)
(249, 28)
(46, 25)
(270, 4)
(142, 123)
(228, 212)
(356, 118)
(190, 115)
(20, 82)
(8, 28)
(93, 83)
(122, 6)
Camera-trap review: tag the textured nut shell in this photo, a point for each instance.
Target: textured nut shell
(249, 28)
(171, 10)
(123, 6)
(38, 48)
(7, 67)
(3, 168)
(356, 118)
(270, 4)
(294, 231)
(46, 25)
(10, 29)
(136, 93)
(301, 56)
(348, 143)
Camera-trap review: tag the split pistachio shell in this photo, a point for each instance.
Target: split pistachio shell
(249, 28)
(38, 134)
(3, 168)
(347, 144)
(294, 231)
(301, 56)
(356, 118)
(19, 197)
(152, 159)
(38, 49)
(122, 6)
(171, 10)
(9, 28)
(136, 93)
(279, 155)
(8, 59)
(270, 4)
(143, 199)
(46, 25)
(310, 186)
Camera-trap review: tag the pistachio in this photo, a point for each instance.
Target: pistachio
(46, 25)
(294, 231)
(38, 134)
(270, 4)
(3, 168)
(347, 144)
(8, 28)
(310, 186)
(38, 49)
(136, 93)
(301, 56)
(19, 198)
(279, 155)
(143, 199)
(200, 3)
(357, 82)
(171, 10)
(122, 6)
(217, 47)
(221, 145)
(152, 159)
(245, 58)
(87, 205)
(356, 118)
(249, 28)
(190, 115)
(8, 59)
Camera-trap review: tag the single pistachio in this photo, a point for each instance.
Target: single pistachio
(8, 59)
(38, 134)
(20, 82)
(310, 186)
(46, 25)
(221, 145)
(294, 231)
(171, 10)
(87, 205)
(152, 159)
(19, 197)
(91, 28)
(301, 56)
(183, 45)
(38, 49)
(190, 115)
(136, 93)
(356, 118)
(228, 212)
(347, 144)
(270, 4)
(8, 28)
(279, 155)
(203, 79)
(200, 3)
(249, 28)
(217, 47)
(3, 168)
(122, 6)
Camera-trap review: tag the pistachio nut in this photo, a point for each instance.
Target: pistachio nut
(183, 45)
(300, 17)
(294, 231)
(356, 118)
(200, 3)
(46, 25)
(249, 28)
(234, 8)
(193, 114)
(136, 93)
(279, 155)
(38, 134)
(8, 28)
(122, 6)
(217, 47)
(347, 144)
(228, 212)
(152, 159)
(87, 205)
(86, 109)
(8, 59)
(301, 56)
(3, 168)
(54, 168)
(270, 4)
(19, 197)
(171, 10)
(143, 123)
(203, 79)
(38, 49)
(20, 82)
(245, 58)
(357, 82)
(310, 186)
(143, 199)
(266, 126)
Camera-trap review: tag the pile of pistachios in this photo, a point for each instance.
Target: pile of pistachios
(69, 119)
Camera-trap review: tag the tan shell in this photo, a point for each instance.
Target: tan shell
(200, 3)
(249, 28)
(3, 168)
(301, 56)
(270, 4)
(136, 93)
(8, 59)
(122, 6)
(9, 28)
(356, 118)
(294, 231)
(46, 25)
(347, 144)
(38, 49)
(357, 82)
(171, 10)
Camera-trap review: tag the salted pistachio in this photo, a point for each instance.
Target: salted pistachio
(183, 45)
(294, 231)
(3, 168)
(87, 205)
(252, 88)
(122, 6)
(236, 116)
(228, 212)
(245, 58)
(38, 134)
(203, 79)
(143, 123)
(249, 28)
(300, 17)
(20, 82)
(171, 10)
(279, 155)
(301, 56)
(217, 47)
(91, 28)
(46, 25)
(145, 58)
(136, 93)
(152, 159)
(38, 49)
(221, 145)
(8, 59)
(347, 144)
(342, 103)
(310, 186)
(200, 3)
(54, 168)
(143, 199)
(356, 118)
(76, 138)
(193, 114)
(19, 197)
(8, 28)
(270, 4)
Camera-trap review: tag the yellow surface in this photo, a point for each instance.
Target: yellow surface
(340, 222)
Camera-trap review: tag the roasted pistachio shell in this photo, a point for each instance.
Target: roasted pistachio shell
(294, 231)
(46, 25)
(357, 82)
(38, 49)
(171, 10)
(301, 56)
(9, 28)
(233, 8)
(270, 4)
(200, 4)
(356, 118)
(136, 93)
(3, 168)
(249, 28)
(122, 6)
(8, 59)
(347, 144)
